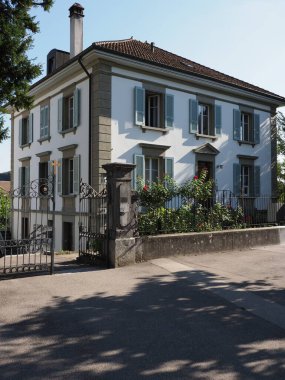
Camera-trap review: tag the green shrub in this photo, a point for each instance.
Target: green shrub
(197, 210)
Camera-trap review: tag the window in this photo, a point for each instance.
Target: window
(25, 228)
(69, 111)
(43, 176)
(246, 127)
(153, 109)
(26, 130)
(152, 112)
(246, 181)
(68, 175)
(205, 119)
(150, 169)
(44, 122)
(24, 179)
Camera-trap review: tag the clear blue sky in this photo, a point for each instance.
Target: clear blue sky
(242, 38)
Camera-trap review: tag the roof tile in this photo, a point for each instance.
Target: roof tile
(143, 51)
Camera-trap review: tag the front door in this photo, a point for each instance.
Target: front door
(206, 165)
(67, 244)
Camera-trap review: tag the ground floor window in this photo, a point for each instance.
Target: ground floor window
(151, 169)
(245, 177)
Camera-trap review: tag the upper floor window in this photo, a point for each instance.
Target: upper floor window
(26, 130)
(44, 121)
(69, 111)
(246, 127)
(153, 109)
(205, 119)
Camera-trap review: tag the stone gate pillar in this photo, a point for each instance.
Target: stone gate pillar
(122, 214)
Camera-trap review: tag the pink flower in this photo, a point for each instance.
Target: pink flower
(145, 188)
(196, 177)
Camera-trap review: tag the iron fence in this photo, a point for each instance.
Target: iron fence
(27, 228)
(223, 210)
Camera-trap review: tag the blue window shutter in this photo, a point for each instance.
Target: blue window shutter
(76, 174)
(20, 177)
(236, 124)
(50, 169)
(27, 176)
(218, 120)
(42, 114)
(46, 120)
(193, 116)
(257, 181)
(256, 127)
(59, 176)
(20, 132)
(169, 110)
(139, 171)
(31, 128)
(236, 179)
(169, 166)
(59, 114)
(76, 108)
(139, 106)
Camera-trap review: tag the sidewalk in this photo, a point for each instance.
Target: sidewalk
(195, 317)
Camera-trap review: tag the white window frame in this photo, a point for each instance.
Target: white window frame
(44, 127)
(153, 120)
(245, 133)
(245, 174)
(150, 178)
(70, 176)
(201, 122)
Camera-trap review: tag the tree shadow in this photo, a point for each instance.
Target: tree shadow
(167, 327)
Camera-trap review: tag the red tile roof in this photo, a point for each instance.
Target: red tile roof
(5, 185)
(143, 51)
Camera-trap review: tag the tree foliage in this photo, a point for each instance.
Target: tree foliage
(17, 28)
(280, 123)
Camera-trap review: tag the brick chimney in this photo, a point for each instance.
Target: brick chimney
(76, 29)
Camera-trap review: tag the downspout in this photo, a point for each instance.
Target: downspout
(89, 124)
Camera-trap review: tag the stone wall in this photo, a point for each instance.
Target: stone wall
(133, 250)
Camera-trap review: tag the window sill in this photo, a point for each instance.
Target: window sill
(46, 138)
(199, 135)
(252, 143)
(155, 129)
(25, 146)
(68, 130)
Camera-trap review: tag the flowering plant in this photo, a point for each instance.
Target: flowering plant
(199, 188)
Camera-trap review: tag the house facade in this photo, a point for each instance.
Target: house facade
(132, 102)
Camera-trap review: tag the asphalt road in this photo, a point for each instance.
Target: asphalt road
(213, 316)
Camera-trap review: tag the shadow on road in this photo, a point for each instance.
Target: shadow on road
(165, 328)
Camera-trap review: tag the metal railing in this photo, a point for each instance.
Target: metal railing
(223, 210)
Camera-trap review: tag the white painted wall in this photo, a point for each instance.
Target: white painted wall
(57, 140)
(126, 136)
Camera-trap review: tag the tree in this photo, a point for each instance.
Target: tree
(17, 27)
(280, 123)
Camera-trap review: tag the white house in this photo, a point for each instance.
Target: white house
(130, 101)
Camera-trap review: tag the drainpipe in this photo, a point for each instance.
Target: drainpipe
(90, 124)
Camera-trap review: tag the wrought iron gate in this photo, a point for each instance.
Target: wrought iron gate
(27, 228)
(93, 231)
